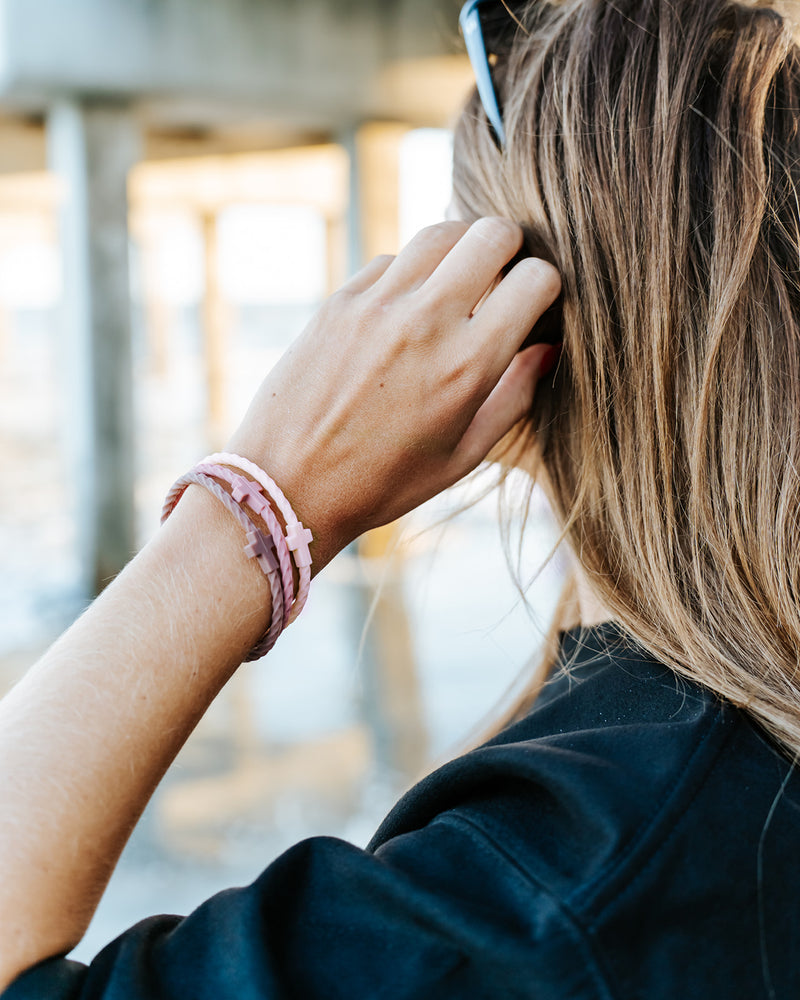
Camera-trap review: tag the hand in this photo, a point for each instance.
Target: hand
(396, 389)
(404, 380)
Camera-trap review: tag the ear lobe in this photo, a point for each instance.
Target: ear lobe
(549, 359)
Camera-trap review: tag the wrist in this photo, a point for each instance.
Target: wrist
(300, 485)
(204, 548)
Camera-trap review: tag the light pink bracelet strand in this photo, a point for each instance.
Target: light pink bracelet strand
(258, 547)
(298, 537)
(246, 490)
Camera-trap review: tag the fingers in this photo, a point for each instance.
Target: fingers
(415, 263)
(438, 280)
(368, 275)
(506, 405)
(511, 310)
(422, 255)
(453, 261)
(472, 266)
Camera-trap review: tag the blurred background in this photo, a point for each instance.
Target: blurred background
(181, 183)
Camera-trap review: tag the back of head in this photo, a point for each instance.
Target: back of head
(653, 155)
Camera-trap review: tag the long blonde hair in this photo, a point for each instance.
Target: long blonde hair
(653, 154)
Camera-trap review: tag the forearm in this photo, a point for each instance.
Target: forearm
(89, 732)
(399, 386)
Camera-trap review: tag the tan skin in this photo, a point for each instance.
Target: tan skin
(394, 392)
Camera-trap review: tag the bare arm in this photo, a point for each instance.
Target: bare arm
(88, 733)
(393, 393)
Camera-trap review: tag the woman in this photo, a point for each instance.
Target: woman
(630, 832)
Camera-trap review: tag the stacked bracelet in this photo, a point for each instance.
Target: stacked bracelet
(244, 490)
(297, 537)
(274, 550)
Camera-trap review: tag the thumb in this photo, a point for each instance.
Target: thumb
(506, 404)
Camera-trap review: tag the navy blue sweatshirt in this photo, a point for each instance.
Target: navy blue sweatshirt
(633, 837)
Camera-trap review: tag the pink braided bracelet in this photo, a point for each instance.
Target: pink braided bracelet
(250, 492)
(298, 538)
(258, 547)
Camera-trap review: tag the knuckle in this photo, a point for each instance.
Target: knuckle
(429, 299)
(373, 311)
(497, 231)
(413, 329)
(545, 274)
(443, 232)
(383, 316)
(336, 302)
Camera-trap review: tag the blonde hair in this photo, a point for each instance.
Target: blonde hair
(653, 155)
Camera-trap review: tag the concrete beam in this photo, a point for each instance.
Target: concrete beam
(306, 63)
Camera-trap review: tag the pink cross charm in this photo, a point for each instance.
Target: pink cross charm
(298, 539)
(244, 488)
(259, 548)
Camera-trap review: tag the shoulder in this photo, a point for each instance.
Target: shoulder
(645, 809)
(616, 745)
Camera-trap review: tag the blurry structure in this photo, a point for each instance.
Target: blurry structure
(119, 117)
(143, 144)
(117, 81)
(203, 188)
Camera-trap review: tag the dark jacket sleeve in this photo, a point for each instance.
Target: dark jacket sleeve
(440, 912)
(527, 868)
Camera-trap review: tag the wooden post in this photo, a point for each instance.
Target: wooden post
(157, 311)
(377, 147)
(215, 328)
(337, 262)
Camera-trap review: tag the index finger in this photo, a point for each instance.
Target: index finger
(473, 265)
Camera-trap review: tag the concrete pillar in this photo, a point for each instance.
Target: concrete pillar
(92, 147)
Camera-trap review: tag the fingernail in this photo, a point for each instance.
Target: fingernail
(549, 359)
